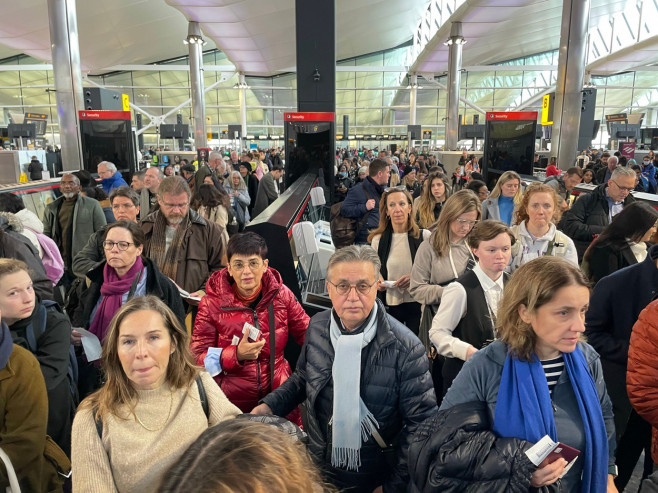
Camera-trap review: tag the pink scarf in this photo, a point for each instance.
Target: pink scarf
(112, 290)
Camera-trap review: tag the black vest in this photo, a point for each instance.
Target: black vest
(476, 327)
(384, 249)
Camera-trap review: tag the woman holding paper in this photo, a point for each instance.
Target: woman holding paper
(244, 322)
(124, 274)
(541, 379)
(40, 327)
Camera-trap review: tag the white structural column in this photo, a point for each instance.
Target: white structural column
(68, 78)
(412, 99)
(455, 44)
(195, 43)
(242, 84)
(569, 85)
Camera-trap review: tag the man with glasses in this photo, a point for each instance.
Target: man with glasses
(183, 245)
(364, 378)
(591, 213)
(110, 176)
(125, 206)
(70, 221)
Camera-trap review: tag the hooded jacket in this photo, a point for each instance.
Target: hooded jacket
(527, 248)
(222, 316)
(15, 245)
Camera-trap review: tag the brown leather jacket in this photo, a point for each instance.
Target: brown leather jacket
(202, 252)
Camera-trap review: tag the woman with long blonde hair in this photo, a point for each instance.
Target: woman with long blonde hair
(443, 258)
(504, 198)
(126, 434)
(396, 241)
(427, 207)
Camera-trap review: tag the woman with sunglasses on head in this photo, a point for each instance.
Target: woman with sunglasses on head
(622, 243)
(464, 322)
(504, 198)
(428, 206)
(441, 259)
(396, 241)
(244, 322)
(123, 275)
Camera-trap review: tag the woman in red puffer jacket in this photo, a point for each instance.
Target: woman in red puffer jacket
(247, 294)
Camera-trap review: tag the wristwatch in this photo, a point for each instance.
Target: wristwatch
(613, 471)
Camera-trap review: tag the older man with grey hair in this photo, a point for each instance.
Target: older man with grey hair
(70, 221)
(364, 379)
(213, 168)
(110, 176)
(604, 174)
(592, 212)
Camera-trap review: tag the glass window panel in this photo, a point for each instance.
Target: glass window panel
(174, 97)
(368, 117)
(147, 97)
(509, 79)
(369, 79)
(345, 98)
(646, 79)
(427, 97)
(479, 79)
(35, 97)
(426, 116)
(484, 98)
(287, 80)
(178, 79)
(370, 60)
(9, 78)
(285, 98)
(345, 80)
(141, 79)
(122, 79)
(505, 97)
(368, 98)
(619, 98)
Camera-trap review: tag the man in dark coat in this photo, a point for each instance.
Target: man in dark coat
(268, 190)
(364, 199)
(35, 168)
(591, 213)
(364, 380)
(615, 306)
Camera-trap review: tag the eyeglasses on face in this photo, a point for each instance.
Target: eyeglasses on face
(121, 245)
(176, 206)
(464, 222)
(252, 264)
(623, 189)
(344, 288)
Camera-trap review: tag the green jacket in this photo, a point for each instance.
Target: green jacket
(88, 218)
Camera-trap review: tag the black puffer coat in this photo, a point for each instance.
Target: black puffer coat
(395, 386)
(454, 451)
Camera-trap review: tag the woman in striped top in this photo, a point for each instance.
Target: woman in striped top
(541, 379)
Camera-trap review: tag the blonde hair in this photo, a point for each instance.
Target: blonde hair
(385, 220)
(521, 213)
(504, 178)
(533, 285)
(12, 266)
(246, 456)
(427, 201)
(118, 389)
(460, 203)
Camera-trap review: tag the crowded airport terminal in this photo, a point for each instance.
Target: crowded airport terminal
(328, 246)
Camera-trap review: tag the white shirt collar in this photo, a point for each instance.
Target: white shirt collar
(485, 281)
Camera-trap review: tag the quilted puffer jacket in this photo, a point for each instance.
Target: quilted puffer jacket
(222, 316)
(454, 451)
(642, 374)
(395, 386)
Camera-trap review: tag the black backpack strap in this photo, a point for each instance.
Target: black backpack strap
(270, 313)
(98, 423)
(363, 220)
(202, 396)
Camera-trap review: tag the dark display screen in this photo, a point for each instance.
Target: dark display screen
(309, 148)
(107, 140)
(509, 146)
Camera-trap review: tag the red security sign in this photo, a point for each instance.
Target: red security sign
(309, 117)
(511, 115)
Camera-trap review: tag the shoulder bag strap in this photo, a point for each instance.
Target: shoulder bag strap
(98, 423)
(363, 220)
(203, 396)
(270, 313)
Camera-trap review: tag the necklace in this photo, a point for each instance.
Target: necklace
(171, 403)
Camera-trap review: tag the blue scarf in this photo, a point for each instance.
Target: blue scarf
(524, 410)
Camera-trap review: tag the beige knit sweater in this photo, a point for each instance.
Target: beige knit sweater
(133, 459)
